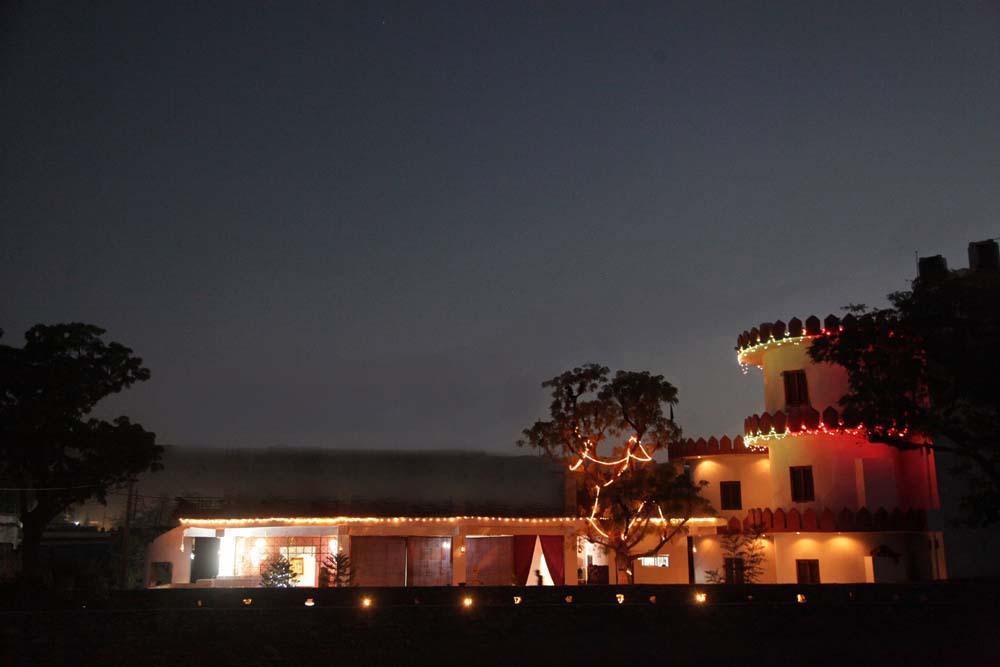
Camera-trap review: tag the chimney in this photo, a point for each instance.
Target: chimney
(984, 256)
(929, 268)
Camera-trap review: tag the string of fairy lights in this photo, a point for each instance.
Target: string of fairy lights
(856, 431)
(252, 522)
(754, 440)
(743, 357)
(636, 452)
(746, 352)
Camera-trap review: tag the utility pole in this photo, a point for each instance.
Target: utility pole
(129, 510)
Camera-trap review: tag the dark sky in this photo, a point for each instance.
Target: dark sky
(384, 225)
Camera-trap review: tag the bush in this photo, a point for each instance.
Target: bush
(338, 570)
(278, 574)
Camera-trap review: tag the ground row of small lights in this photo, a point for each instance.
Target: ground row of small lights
(468, 601)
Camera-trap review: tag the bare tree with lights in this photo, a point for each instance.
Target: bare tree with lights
(607, 431)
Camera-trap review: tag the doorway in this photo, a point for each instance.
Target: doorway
(204, 558)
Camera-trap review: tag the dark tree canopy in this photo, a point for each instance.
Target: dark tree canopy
(926, 372)
(51, 450)
(607, 430)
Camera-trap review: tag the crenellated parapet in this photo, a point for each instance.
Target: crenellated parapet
(691, 448)
(799, 421)
(762, 428)
(825, 520)
(750, 345)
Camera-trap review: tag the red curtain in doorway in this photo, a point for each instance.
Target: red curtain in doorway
(552, 549)
(524, 549)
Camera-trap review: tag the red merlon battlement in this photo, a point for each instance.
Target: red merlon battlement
(773, 332)
(691, 448)
(797, 420)
(782, 521)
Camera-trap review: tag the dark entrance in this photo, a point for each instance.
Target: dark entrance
(598, 575)
(204, 558)
(807, 571)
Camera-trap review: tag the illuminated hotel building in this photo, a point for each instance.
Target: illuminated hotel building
(834, 508)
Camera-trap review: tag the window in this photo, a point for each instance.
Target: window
(807, 570)
(796, 391)
(732, 498)
(802, 484)
(734, 570)
(655, 561)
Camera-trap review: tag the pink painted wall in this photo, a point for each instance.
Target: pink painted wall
(847, 471)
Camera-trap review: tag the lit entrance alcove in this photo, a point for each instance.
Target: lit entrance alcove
(595, 562)
(519, 560)
(303, 562)
(540, 575)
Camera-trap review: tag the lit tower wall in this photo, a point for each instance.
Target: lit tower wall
(834, 506)
(805, 431)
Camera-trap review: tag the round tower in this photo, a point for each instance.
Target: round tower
(821, 460)
(827, 503)
(818, 462)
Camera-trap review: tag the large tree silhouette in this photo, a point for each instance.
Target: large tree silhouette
(607, 430)
(925, 372)
(53, 454)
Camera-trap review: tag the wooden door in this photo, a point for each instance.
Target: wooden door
(379, 561)
(489, 561)
(428, 561)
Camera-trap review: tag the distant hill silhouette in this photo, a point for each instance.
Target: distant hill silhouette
(322, 482)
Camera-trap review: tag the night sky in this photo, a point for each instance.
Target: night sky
(382, 225)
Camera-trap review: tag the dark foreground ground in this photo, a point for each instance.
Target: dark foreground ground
(854, 627)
